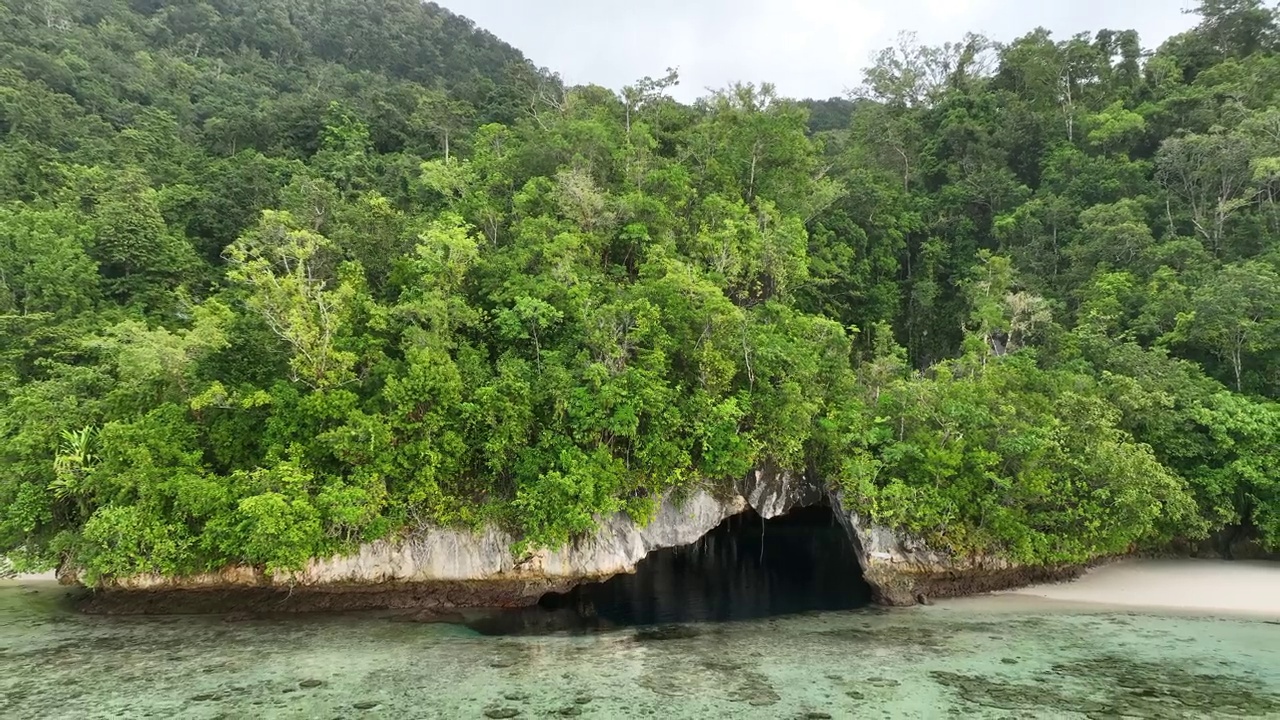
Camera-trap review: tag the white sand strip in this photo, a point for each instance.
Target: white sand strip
(1183, 585)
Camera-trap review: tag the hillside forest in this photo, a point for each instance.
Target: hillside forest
(279, 277)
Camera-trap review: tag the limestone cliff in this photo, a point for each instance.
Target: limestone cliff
(904, 570)
(441, 567)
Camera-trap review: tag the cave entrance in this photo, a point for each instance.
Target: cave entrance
(745, 568)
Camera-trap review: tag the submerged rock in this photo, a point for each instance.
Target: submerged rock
(503, 712)
(1121, 687)
(666, 632)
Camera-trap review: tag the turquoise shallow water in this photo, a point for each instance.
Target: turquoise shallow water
(966, 660)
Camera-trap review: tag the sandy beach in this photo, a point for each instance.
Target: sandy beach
(1177, 585)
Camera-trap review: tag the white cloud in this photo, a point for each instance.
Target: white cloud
(808, 48)
(953, 10)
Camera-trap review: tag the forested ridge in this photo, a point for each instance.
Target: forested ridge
(283, 276)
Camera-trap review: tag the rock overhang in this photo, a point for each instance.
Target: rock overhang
(448, 567)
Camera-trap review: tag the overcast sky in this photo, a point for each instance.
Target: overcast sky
(808, 48)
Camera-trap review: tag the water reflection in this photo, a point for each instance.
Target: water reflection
(746, 568)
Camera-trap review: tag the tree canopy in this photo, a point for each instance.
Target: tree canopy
(277, 279)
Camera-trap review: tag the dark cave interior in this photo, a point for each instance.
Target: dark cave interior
(745, 568)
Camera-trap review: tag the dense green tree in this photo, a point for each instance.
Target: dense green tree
(277, 279)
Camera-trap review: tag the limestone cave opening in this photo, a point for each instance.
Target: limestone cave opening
(746, 568)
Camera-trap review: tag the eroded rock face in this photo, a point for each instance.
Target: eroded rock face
(440, 567)
(443, 567)
(904, 570)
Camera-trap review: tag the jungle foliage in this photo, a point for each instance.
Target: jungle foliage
(280, 277)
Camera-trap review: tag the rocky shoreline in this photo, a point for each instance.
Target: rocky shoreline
(438, 568)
